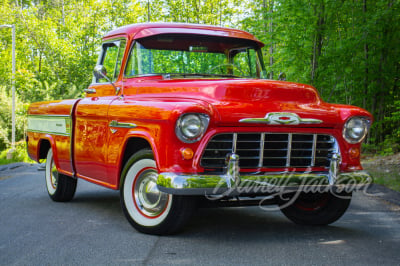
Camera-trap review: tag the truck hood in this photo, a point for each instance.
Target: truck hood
(236, 101)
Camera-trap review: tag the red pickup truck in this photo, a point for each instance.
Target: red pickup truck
(182, 115)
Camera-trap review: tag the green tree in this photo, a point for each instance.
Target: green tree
(349, 50)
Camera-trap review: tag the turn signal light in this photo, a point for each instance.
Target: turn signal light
(187, 153)
(354, 153)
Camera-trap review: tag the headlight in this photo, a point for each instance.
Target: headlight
(355, 129)
(191, 127)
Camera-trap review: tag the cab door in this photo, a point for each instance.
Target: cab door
(91, 116)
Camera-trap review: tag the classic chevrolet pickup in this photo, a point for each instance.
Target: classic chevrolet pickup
(182, 114)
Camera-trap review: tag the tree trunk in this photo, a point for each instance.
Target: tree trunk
(366, 59)
(148, 10)
(271, 31)
(318, 40)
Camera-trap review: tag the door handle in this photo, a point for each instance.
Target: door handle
(90, 91)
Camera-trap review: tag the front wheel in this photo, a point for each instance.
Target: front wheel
(149, 210)
(59, 187)
(315, 208)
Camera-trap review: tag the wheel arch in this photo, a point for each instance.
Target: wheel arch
(133, 144)
(44, 146)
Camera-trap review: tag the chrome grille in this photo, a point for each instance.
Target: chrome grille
(270, 150)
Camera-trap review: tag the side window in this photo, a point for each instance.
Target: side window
(111, 59)
(131, 68)
(137, 61)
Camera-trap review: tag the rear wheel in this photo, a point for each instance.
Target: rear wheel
(149, 210)
(315, 208)
(60, 187)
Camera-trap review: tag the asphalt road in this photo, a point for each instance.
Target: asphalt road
(92, 230)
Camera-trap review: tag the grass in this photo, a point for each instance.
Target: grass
(19, 155)
(385, 170)
(387, 177)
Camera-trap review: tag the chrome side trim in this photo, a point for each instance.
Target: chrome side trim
(115, 123)
(50, 124)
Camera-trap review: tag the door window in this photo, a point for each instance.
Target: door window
(111, 59)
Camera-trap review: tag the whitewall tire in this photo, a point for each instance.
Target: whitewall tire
(59, 187)
(146, 208)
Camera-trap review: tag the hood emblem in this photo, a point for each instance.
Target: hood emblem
(281, 119)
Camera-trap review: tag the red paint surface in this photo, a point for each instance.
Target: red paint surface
(154, 105)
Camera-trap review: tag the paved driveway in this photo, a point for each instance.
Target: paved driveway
(92, 230)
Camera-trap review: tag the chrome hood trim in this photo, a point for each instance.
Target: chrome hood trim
(281, 118)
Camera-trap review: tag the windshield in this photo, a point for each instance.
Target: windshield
(195, 56)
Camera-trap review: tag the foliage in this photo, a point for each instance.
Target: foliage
(385, 170)
(393, 120)
(5, 118)
(389, 177)
(349, 50)
(18, 155)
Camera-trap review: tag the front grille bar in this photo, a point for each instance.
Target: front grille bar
(270, 150)
(314, 147)
(289, 150)
(234, 142)
(262, 144)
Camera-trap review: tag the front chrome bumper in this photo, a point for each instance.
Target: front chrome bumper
(232, 183)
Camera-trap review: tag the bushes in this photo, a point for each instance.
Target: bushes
(5, 118)
(19, 154)
(391, 133)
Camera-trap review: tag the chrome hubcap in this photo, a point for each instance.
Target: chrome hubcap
(148, 198)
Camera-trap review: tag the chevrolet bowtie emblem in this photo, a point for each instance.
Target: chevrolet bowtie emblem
(281, 119)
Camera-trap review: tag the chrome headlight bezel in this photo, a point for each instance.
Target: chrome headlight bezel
(356, 129)
(190, 127)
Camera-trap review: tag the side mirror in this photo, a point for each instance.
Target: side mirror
(100, 72)
(282, 76)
